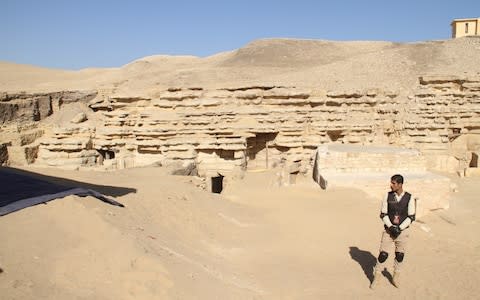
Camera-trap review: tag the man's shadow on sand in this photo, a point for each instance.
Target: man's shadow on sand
(365, 259)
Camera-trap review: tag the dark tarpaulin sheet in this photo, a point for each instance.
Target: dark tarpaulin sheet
(18, 191)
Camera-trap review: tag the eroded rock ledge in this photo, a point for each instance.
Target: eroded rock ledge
(226, 131)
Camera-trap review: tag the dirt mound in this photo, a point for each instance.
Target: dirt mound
(317, 63)
(298, 53)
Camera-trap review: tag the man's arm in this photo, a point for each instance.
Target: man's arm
(384, 212)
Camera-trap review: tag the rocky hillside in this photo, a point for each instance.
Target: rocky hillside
(288, 62)
(270, 103)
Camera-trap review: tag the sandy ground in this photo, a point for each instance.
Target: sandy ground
(253, 241)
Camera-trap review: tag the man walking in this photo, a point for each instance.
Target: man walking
(397, 213)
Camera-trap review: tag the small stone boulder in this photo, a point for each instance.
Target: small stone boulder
(79, 118)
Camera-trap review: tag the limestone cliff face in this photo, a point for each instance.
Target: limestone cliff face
(225, 130)
(228, 130)
(24, 108)
(20, 119)
(444, 121)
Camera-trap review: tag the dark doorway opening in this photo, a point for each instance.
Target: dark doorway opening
(257, 150)
(334, 135)
(217, 184)
(107, 154)
(474, 161)
(293, 178)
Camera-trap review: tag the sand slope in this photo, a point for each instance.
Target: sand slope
(308, 63)
(255, 241)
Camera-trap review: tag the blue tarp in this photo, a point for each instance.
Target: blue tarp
(21, 189)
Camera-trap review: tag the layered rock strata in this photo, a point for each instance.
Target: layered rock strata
(20, 116)
(443, 122)
(25, 108)
(226, 131)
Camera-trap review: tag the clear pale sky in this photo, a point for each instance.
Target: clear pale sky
(75, 34)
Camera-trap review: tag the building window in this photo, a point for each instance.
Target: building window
(466, 27)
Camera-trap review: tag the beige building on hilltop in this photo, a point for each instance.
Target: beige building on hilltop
(465, 27)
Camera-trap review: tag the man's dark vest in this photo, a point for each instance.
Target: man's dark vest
(399, 209)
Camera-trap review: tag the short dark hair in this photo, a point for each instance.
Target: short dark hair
(397, 178)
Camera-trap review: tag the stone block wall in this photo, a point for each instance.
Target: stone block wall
(369, 168)
(343, 158)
